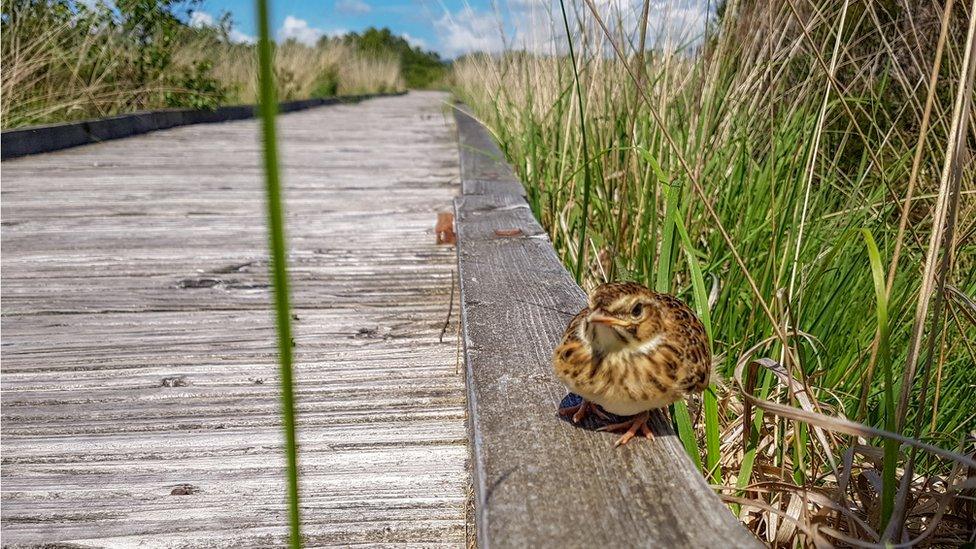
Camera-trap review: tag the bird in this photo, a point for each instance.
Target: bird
(630, 351)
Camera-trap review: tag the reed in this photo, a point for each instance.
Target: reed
(60, 65)
(766, 149)
(301, 71)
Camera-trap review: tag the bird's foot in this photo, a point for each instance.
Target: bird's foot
(630, 428)
(581, 410)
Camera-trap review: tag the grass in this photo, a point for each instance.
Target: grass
(65, 61)
(279, 264)
(331, 68)
(587, 178)
(806, 161)
(884, 356)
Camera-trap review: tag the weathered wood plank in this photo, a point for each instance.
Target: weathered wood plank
(539, 481)
(138, 345)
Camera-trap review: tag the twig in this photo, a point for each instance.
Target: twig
(450, 310)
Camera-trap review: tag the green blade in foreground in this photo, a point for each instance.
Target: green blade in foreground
(279, 270)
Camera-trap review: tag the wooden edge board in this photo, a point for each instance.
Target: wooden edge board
(19, 142)
(540, 481)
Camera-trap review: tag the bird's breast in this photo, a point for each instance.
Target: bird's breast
(623, 383)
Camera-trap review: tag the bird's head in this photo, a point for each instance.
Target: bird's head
(622, 315)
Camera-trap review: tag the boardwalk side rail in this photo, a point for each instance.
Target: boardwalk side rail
(539, 481)
(54, 137)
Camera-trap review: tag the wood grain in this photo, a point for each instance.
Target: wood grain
(138, 347)
(539, 481)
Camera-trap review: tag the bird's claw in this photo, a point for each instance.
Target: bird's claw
(630, 428)
(579, 412)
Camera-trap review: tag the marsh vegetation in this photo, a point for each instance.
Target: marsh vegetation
(66, 60)
(802, 174)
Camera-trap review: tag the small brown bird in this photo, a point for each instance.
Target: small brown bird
(631, 351)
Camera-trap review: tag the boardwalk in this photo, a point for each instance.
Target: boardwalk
(139, 402)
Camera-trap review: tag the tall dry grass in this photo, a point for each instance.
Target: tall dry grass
(63, 64)
(301, 71)
(53, 71)
(803, 175)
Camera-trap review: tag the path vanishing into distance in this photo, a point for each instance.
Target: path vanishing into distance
(140, 403)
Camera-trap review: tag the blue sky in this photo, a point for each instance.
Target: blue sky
(450, 27)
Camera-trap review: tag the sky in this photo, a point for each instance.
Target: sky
(449, 27)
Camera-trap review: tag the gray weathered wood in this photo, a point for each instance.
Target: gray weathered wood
(138, 345)
(539, 481)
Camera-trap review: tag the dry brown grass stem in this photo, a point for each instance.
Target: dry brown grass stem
(706, 202)
(833, 424)
(941, 225)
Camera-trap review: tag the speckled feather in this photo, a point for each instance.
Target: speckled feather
(661, 356)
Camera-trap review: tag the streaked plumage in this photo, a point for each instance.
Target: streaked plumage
(630, 351)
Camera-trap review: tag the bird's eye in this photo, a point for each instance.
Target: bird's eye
(637, 310)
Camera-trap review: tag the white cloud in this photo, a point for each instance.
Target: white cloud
(97, 4)
(299, 30)
(239, 37)
(352, 7)
(415, 42)
(469, 30)
(537, 26)
(672, 24)
(532, 25)
(294, 28)
(201, 19)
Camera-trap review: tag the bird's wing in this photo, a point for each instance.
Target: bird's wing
(690, 344)
(573, 329)
(573, 352)
(699, 365)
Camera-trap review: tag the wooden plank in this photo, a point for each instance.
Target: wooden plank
(539, 481)
(138, 345)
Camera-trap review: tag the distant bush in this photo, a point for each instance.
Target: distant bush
(421, 69)
(196, 88)
(327, 84)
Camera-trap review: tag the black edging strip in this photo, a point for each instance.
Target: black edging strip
(54, 137)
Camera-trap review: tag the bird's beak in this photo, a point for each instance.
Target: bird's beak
(599, 317)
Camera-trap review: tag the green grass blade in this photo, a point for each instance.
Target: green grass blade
(666, 258)
(712, 442)
(584, 217)
(686, 432)
(682, 419)
(888, 480)
(279, 269)
(697, 279)
(709, 399)
(662, 283)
